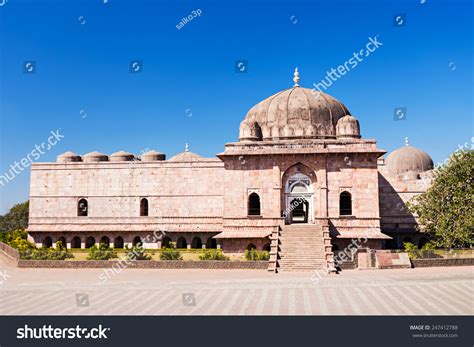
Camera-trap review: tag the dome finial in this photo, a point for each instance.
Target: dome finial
(406, 141)
(296, 79)
(186, 147)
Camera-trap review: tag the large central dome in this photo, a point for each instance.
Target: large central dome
(294, 113)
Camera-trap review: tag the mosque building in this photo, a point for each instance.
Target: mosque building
(300, 182)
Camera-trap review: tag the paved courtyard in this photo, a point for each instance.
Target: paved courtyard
(430, 291)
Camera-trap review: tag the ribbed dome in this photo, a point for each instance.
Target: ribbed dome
(293, 113)
(408, 159)
(348, 127)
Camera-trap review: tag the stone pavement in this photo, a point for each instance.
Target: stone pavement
(428, 291)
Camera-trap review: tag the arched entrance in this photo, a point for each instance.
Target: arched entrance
(299, 199)
(76, 242)
(62, 239)
(118, 242)
(196, 243)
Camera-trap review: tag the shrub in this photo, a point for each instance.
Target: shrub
(427, 251)
(17, 239)
(101, 252)
(59, 253)
(213, 254)
(255, 254)
(170, 253)
(137, 252)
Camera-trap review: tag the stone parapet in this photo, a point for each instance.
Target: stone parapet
(144, 264)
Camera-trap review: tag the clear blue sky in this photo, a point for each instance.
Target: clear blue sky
(425, 66)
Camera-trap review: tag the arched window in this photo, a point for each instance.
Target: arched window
(105, 240)
(181, 243)
(267, 247)
(118, 242)
(62, 239)
(137, 241)
(144, 207)
(90, 242)
(211, 243)
(254, 205)
(166, 242)
(196, 243)
(82, 208)
(76, 242)
(47, 242)
(251, 246)
(345, 204)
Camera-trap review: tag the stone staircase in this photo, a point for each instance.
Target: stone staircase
(301, 247)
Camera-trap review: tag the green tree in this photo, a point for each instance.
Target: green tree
(445, 210)
(16, 218)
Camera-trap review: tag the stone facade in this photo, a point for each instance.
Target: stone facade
(298, 160)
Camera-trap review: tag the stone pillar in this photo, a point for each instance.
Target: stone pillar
(323, 190)
(83, 244)
(188, 246)
(111, 245)
(276, 193)
(203, 246)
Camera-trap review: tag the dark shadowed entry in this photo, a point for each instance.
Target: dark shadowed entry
(118, 243)
(300, 212)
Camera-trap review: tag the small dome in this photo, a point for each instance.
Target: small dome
(185, 156)
(152, 156)
(348, 127)
(95, 156)
(68, 157)
(408, 159)
(122, 156)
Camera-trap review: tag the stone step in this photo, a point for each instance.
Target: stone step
(302, 248)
